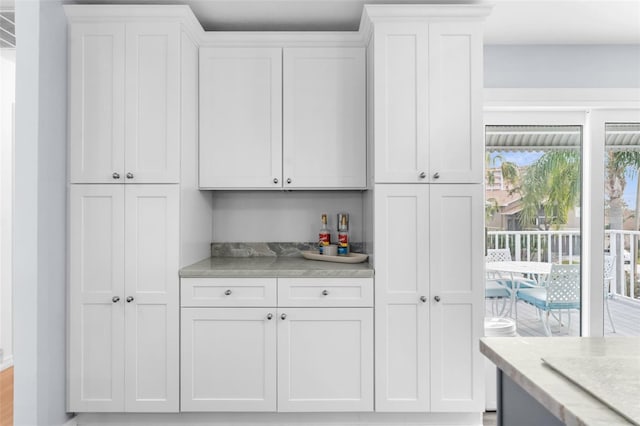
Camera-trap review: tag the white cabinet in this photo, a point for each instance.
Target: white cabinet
(228, 359)
(324, 141)
(240, 117)
(123, 337)
(285, 358)
(325, 359)
(282, 118)
(427, 105)
(124, 102)
(428, 297)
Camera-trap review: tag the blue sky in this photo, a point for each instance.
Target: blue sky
(525, 158)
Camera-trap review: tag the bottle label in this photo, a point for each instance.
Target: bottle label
(324, 238)
(343, 251)
(343, 240)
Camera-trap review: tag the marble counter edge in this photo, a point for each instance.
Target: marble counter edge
(264, 273)
(560, 410)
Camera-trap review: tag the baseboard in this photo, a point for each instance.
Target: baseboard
(282, 419)
(72, 421)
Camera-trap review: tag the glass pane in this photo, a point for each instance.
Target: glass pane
(532, 207)
(622, 225)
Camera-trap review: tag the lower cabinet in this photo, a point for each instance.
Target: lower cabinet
(285, 359)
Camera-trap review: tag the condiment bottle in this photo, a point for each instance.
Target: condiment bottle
(343, 235)
(324, 236)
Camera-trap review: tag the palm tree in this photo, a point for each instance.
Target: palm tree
(621, 164)
(550, 185)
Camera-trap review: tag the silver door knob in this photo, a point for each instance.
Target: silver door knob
(283, 316)
(436, 175)
(115, 175)
(275, 180)
(129, 175)
(436, 298)
(269, 316)
(288, 180)
(129, 299)
(115, 299)
(423, 299)
(422, 175)
(325, 292)
(227, 293)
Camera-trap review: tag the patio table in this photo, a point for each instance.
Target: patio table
(518, 267)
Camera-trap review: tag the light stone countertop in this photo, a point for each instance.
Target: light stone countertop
(228, 267)
(521, 358)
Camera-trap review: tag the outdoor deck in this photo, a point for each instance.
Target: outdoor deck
(626, 318)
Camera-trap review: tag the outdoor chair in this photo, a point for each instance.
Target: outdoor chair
(561, 291)
(504, 255)
(609, 263)
(497, 292)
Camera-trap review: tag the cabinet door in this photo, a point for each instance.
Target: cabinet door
(240, 118)
(152, 149)
(457, 303)
(325, 359)
(228, 359)
(402, 288)
(151, 298)
(96, 298)
(455, 103)
(400, 105)
(324, 138)
(96, 102)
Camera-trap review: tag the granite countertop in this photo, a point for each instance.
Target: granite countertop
(522, 359)
(226, 267)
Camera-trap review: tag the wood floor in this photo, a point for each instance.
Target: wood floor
(625, 314)
(6, 397)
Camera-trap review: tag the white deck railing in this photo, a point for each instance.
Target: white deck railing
(564, 247)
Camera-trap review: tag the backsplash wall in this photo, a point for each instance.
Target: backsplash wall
(280, 216)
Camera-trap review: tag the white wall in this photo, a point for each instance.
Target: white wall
(39, 250)
(276, 216)
(7, 101)
(561, 66)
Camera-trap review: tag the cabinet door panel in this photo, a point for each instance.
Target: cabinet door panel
(455, 111)
(96, 102)
(400, 112)
(325, 359)
(456, 269)
(324, 139)
(228, 359)
(96, 304)
(240, 118)
(152, 226)
(401, 261)
(153, 103)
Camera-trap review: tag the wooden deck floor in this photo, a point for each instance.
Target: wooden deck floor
(626, 319)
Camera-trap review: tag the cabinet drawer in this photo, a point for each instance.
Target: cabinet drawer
(318, 292)
(228, 292)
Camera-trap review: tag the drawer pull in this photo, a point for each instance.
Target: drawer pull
(227, 293)
(325, 292)
(269, 316)
(283, 316)
(423, 299)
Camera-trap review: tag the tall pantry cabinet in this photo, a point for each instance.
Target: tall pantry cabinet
(425, 171)
(135, 215)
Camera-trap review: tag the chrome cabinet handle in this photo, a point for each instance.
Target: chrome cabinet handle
(283, 316)
(436, 298)
(422, 175)
(115, 299)
(269, 316)
(227, 293)
(275, 180)
(288, 180)
(325, 292)
(129, 175)
(115, 175)
(436, 175)
(423, 299)
(129, 299)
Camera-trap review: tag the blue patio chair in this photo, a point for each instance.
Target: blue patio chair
(496, 292)
(561, 291)
(609, 263)
(504, 255)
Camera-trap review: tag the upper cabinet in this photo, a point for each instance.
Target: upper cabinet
(427, 107)
(290, 118)
(124, 102)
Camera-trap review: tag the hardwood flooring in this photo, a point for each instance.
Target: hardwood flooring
(6, 397)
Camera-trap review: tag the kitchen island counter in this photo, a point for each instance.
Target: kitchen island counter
(229, 267)
(523, 371)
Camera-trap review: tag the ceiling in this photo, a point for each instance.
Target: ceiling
(511, 22)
